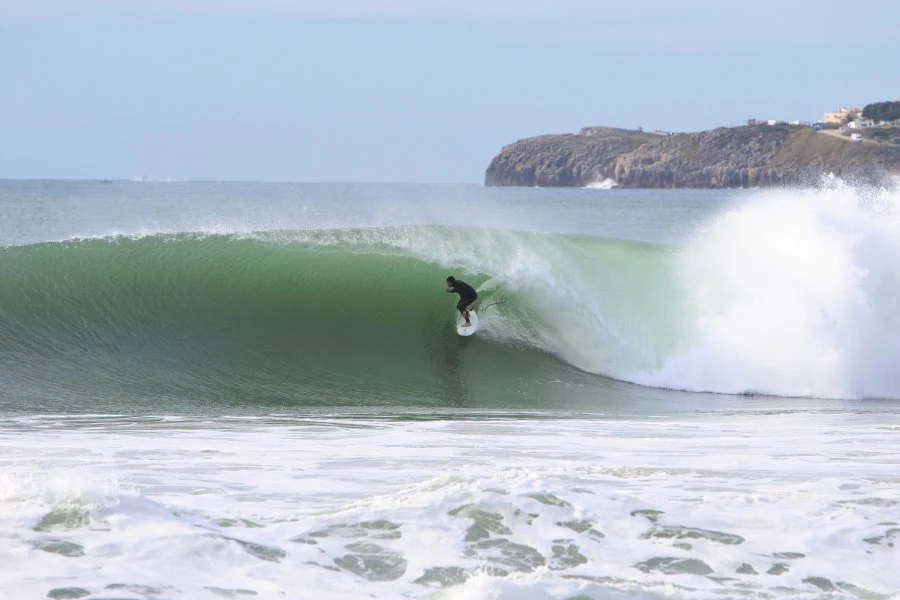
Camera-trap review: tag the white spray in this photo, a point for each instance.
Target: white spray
(792, 293)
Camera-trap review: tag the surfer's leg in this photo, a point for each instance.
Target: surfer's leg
(466, 313)
(461, 307)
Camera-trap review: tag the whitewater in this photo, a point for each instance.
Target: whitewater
(255, 390)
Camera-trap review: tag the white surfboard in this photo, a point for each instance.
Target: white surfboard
(461, 320)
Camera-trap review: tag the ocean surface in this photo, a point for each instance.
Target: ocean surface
(255, 390)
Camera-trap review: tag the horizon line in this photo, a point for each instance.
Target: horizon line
(173, 180)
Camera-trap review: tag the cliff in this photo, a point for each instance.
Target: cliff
(758, 155)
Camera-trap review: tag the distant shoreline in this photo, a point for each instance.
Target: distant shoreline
(728, 157)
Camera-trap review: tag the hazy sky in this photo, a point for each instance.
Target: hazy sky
(405, 90)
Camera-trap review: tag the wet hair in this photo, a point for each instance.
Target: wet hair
(451, 279)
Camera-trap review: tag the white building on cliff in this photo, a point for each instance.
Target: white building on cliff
(840, 115)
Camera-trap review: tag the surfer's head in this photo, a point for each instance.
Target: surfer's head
(451, 280)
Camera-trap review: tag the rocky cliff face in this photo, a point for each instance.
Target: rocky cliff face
(751, 156)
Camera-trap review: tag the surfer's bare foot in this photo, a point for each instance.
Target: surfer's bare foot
(467, 324)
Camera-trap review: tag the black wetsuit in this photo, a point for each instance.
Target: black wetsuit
(466, 293)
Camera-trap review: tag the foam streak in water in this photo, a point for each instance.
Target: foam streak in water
(758, 505)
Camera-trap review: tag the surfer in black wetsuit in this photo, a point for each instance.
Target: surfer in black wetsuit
(467, 296)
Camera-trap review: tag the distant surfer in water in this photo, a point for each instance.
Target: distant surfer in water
(467, 296)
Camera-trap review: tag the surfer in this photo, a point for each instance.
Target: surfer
(467, 296)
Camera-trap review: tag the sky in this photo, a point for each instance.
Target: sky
(405, 90)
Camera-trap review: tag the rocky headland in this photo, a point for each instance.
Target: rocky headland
(751, 156)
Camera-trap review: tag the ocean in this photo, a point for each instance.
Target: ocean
(255, 390)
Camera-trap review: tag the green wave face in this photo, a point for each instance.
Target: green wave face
(328, 318)
(358, 318)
